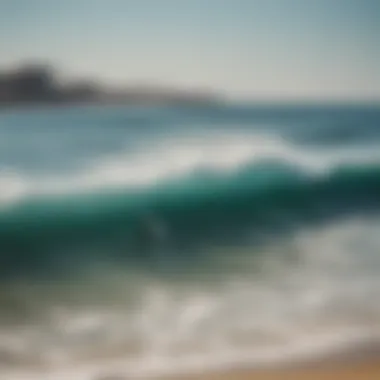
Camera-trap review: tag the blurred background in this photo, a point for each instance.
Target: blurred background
(189, 189)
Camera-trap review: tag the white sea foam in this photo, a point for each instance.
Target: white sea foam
(176, 157)
(320, 300)
(160, 366)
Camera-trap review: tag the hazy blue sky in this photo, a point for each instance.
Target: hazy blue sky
(257, 48)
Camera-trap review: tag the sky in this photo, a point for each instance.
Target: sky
(256, 49)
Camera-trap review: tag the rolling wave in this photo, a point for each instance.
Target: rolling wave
(176, 158)
(203, 209)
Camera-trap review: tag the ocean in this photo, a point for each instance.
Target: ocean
(150, 241)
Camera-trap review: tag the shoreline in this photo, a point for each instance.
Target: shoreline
(361, 362)
(368, 369)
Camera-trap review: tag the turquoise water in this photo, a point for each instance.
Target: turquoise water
(176, 239)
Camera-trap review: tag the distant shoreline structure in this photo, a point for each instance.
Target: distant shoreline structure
(38, 85)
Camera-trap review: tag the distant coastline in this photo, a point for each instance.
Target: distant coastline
(38, 85)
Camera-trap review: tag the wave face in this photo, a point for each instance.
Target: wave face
(176, 239)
